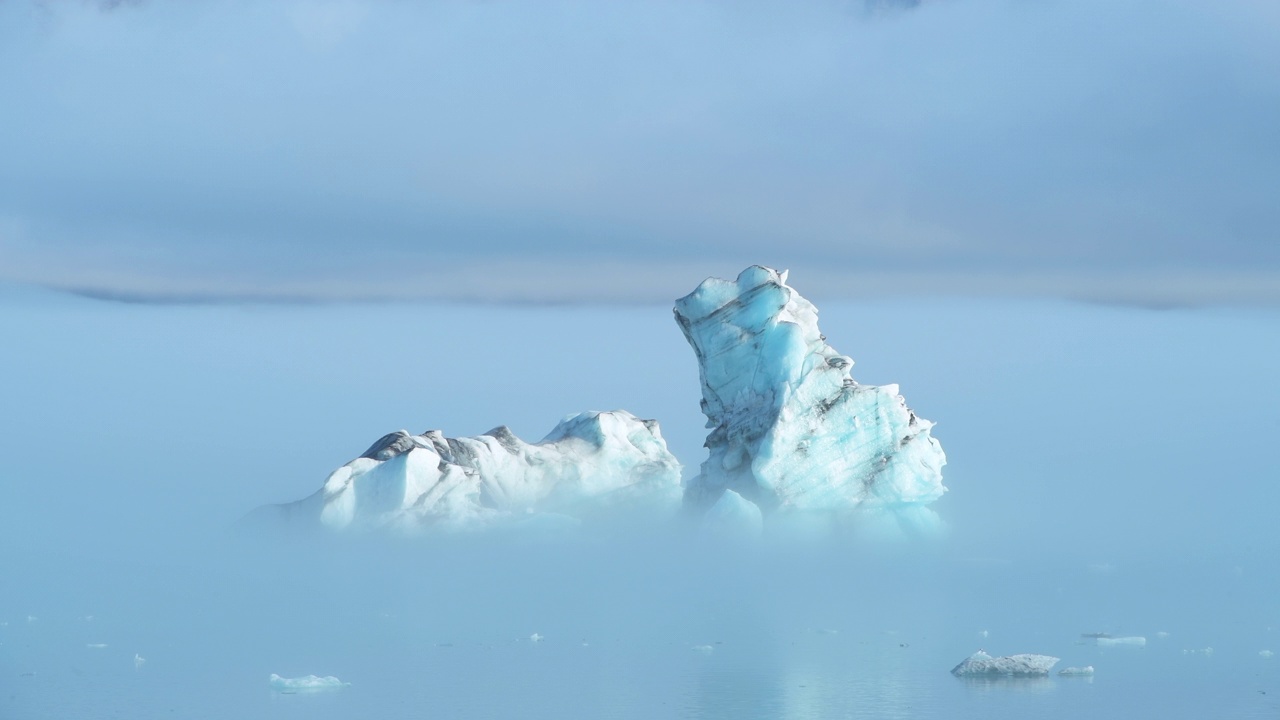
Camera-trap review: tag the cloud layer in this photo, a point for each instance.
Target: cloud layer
(563, 151)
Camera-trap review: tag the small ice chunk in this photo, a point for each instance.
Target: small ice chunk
(1265, 654)
(984, 633)
(1201, 651)
(535, 638)
(96, 646)
(32, 618)
(980, 663)
(310, 682)
(704, 649)
(1162, 635)
(734, 516)
(1085, 671)
(1135, 641)
(138, 661)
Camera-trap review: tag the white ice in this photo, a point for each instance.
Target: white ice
(590, 463)
(1120, 642)
(980, 663)
(791, 431)
(310, 682)
(1085, 671)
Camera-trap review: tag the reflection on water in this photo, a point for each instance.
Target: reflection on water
(624, 632)
(1005, 683)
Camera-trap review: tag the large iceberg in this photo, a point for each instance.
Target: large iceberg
(791, 431)
(589, 463)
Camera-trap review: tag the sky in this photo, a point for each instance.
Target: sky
(620, 152)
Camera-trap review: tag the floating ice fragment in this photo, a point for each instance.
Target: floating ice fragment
(984, 633)
(1135, 641)
(1162, 635)
(704, 649)
(32, 618)
(980, 663)
(138, 661)
(535, 638)
(1201, 651)
(1265, 654)
(96, 646)
(733, 516)
(310, 682)
(1085, 671)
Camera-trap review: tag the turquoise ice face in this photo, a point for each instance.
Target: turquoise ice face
(791, 431)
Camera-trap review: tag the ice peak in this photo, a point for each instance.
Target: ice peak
(791, 430)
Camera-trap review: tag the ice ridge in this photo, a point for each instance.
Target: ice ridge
(590, 461)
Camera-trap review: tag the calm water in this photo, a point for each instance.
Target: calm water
(1111, 470)
(628, 631)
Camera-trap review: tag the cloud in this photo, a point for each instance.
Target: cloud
(580, 151)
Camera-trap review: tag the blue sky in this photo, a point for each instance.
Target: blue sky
(563, 151)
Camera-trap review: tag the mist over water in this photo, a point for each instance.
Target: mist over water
(1109, 471)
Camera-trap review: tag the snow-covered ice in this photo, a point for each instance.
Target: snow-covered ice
(791, 431)
(310, 682)
(1085, 671)
(980, 663)
(590, 462)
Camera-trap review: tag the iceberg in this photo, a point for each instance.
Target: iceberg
(791, 431)
(589, 463)
(980, 664)
(1086, 671)
(310, 682)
